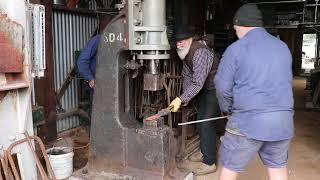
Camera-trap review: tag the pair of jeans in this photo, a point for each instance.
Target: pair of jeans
(207, 107)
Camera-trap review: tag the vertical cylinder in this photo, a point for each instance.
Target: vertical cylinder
(153, 67)
(153, 64)
(154, 13)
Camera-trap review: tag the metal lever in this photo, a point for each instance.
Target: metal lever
(203, 120)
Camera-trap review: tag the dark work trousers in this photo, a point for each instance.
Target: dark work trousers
(207, 107)
(89, 96)
(91, 91)
(91, 101)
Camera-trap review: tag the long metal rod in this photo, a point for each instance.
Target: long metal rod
(0, 170)
(278, 2)
(46, 158)
(13, 167)
(315, 29)
(168, 93)
(5, 166)
(303, 14)
(312, 5)
(203, 120)
(35, 157)
(312, 25)
(316, 12)
(44, 153)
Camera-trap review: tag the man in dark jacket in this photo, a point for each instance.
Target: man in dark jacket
(199, 68)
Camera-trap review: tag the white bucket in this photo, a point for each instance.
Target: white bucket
(61, 160)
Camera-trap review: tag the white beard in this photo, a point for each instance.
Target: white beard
(182, 53)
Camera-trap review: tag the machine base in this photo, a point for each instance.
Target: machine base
(129, 174)
(149, 154)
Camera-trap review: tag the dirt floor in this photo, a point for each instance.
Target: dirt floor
(304, 155)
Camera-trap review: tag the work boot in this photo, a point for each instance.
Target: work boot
(196, 157)
(205, 169)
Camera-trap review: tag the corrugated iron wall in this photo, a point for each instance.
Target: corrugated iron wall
(71, 32)
(92, 5)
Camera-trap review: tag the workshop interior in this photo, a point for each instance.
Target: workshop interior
(47, 110)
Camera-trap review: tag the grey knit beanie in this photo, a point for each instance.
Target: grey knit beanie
(248, 15)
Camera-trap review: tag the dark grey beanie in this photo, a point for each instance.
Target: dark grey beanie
(248, 15)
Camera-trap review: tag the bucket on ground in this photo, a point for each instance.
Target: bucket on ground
(61, 159)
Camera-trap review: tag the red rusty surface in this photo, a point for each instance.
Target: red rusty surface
(14, 81)
(11, 60)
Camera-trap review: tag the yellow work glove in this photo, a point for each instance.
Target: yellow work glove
(175, 104)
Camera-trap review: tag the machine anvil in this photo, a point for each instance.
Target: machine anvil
(119, 143)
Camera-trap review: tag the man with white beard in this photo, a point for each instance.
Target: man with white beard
(199, 68)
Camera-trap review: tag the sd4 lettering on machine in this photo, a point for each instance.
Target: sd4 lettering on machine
(113, 37)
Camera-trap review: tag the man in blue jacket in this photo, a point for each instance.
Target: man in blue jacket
(254, 86)
(88, 57)
(87, 61)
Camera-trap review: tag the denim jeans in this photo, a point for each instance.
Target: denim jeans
(207, 107)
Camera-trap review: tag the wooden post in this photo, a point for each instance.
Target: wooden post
(44, 87)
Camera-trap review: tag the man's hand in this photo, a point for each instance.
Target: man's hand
(175, 104)
(226, 114)
(92, 83)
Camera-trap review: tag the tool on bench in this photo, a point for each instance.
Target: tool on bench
(203, 120)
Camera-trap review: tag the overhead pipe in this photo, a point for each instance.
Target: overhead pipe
(312, 25)
(279, 2)
(312, 5)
